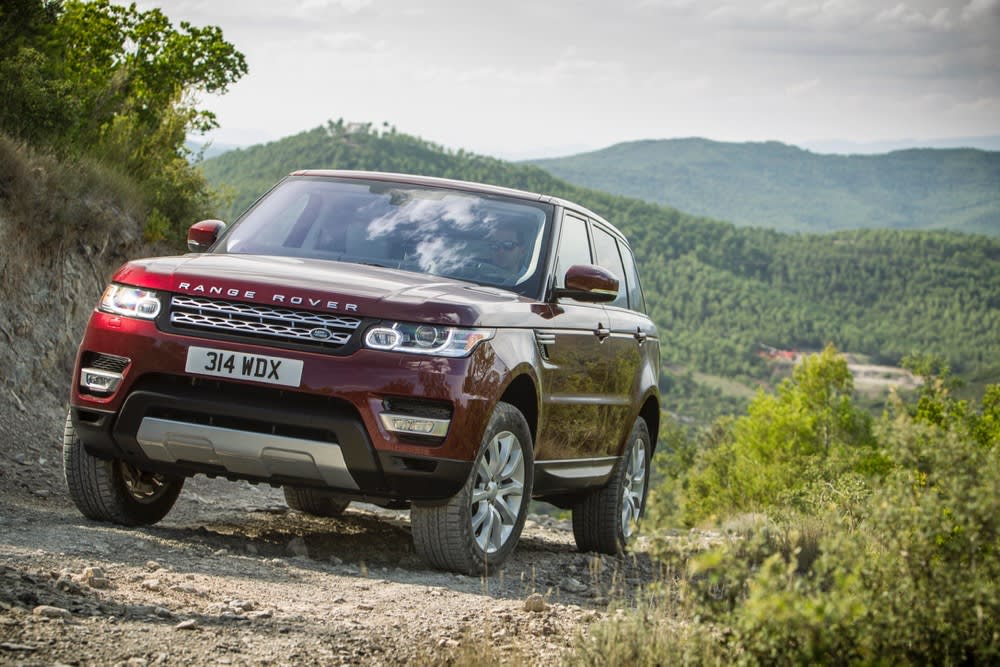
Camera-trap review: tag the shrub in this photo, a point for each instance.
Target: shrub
(790, 452)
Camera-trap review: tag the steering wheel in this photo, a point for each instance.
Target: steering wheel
(486, 270)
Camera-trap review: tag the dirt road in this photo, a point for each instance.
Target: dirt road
(232, 576)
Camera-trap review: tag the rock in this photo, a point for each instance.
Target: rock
(66, 584)
(12, 646)
(153, 566)
(258, 615)
(48, 611)
(535, 603)
(187, 588)
(571, 585)
(162, 612)
(297, 548)
(94, 577)
(151, 584)
(244, 605)
(189, 624)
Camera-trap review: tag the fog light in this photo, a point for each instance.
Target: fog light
(99, 382)
(415, 425)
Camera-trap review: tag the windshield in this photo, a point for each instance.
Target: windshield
(486, 239)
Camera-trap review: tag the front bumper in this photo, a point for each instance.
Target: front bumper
(330, 432)
(177, 429)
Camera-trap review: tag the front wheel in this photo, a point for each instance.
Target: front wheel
(478, 528)
(113, 490)
(606, 519)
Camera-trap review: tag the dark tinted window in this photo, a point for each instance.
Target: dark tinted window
(607, 257)
(635, 298)
(574, 247)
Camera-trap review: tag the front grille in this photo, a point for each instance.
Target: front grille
(258, 322)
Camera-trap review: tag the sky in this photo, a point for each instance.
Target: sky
(517, 79)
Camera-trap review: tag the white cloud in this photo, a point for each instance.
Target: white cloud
(507, 77)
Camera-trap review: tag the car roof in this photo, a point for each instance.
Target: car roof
(434, 181)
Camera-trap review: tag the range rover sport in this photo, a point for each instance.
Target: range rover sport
(451, 347)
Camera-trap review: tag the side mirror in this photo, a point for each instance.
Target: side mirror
(586, 282)
(201, 235)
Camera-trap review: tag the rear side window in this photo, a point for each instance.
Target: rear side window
(635, 299)
(607, 257)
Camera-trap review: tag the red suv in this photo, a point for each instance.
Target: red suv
(451, 347)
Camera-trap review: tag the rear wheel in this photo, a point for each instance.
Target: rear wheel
(478, 528)
(315, 501)
(605, 520)
(113, 490)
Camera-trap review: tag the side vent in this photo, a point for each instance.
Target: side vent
(544, 340)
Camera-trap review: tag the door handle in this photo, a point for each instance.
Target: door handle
(602, 332)
(640, 336)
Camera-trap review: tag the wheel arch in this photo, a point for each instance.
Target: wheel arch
(523, 395)
(650, 412)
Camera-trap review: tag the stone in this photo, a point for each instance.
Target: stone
(297, 548)
(94, 577)
(535, 603)
(48, 611)
(571, 585)
(189, 624)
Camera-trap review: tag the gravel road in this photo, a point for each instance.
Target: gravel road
(233, 577)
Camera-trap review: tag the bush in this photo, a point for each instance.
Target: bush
(791, 452)
(898, 567)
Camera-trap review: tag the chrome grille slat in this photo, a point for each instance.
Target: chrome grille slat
(265, 312)
(257, 321)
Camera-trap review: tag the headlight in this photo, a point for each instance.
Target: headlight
(426, 339)
(130, 302)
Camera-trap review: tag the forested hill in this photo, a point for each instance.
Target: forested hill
(716, 290)
(789, 189)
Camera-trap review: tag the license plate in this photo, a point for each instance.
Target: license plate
(256, 367)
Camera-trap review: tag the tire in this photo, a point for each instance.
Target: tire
(316, 502)
(605, 519)
(474, 531)
(112, 490)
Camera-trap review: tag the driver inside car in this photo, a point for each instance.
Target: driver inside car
(507, 251)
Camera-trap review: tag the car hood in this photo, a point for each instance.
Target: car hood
(325, 286)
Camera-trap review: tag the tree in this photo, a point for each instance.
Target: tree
(107, 81)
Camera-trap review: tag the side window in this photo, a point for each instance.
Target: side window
(574, 248)
(635, 298)
(607, 257)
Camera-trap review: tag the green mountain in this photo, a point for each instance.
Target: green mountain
(789, 189)
(716, 290)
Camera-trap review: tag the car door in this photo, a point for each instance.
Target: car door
(629, 332)
(576, 364)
